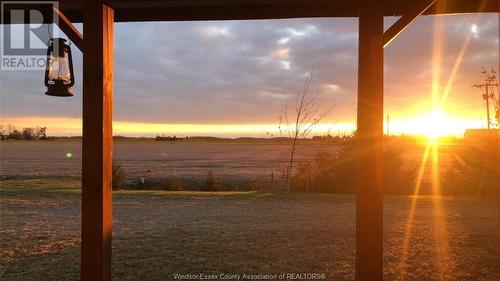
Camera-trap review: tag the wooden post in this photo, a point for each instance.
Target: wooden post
(370, 120)
(97, 144)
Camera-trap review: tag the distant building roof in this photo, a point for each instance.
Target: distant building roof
(481, 135)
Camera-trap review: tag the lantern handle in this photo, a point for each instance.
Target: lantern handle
(48, 31)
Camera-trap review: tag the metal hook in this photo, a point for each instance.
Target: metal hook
(48, 31)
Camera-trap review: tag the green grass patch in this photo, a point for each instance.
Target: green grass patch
(39, 187)
(54, 187)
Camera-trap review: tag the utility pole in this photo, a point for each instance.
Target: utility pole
(387, 125)
(490, 81)
(486, 97)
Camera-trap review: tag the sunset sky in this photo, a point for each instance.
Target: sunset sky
(234, 78)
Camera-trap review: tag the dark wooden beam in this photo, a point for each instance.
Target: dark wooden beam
(190, 10)
(370, 120)
(244, 12)
(97, 155)
(405, 20)
(69, 29)
(445, 7)
(187, 10)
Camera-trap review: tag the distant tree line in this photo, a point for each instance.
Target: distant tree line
(331, 139)
(10, 132)
(166, 138)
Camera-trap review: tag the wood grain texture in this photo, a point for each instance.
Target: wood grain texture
(69, 29)
(370, 120)
(405, 20)
(185, 10)
(97, 154)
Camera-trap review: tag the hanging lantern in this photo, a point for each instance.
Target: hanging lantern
(59, 76)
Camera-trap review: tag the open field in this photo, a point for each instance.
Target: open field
(158, 233)
(232, 162)
(243, 161)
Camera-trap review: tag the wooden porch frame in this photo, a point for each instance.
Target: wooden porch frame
(370, 120)
(405, 20)
(97, 143)
(97, 133)
(97, 146)
(69, 29)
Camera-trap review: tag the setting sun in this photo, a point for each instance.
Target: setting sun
(435, 124)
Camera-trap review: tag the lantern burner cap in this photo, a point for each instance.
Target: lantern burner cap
(65, 92)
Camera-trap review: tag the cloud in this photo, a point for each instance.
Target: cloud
(214, 31)
(246, 71)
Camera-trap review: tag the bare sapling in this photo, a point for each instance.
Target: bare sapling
(299, 123)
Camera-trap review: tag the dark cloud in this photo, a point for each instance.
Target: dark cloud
(246, 71)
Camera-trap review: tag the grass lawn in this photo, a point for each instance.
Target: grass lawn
(159, 233)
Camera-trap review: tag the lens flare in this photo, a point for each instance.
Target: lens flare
(411, 213)
(474, 30)
(440, 225)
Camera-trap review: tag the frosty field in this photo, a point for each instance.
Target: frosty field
(155, 159)
(159, 233)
